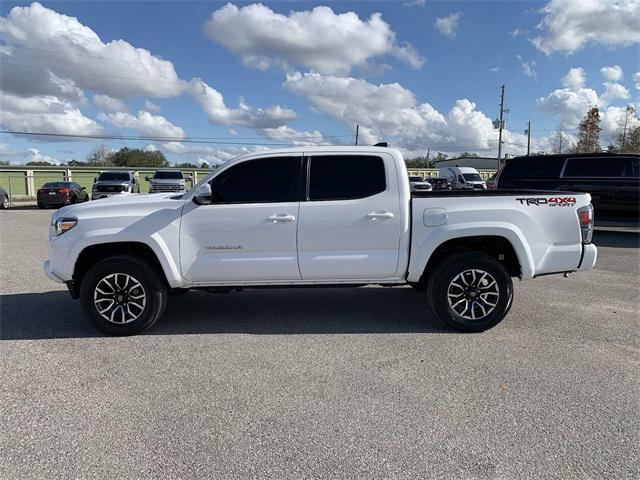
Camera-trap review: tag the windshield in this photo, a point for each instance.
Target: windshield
(168, 175)
(114, 176)
(472, 177)
(56, 185)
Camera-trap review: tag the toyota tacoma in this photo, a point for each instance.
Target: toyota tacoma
(316, 216)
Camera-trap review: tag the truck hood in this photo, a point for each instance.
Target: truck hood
(132, 204)
(113, 182)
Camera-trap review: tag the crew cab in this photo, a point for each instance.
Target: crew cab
(315, 216)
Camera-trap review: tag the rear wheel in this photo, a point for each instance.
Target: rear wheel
(471, 292)
(5, 202)
(123, 295)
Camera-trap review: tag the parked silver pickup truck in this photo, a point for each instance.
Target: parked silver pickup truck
(167, 181)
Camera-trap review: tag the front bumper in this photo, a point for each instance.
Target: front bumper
(46, 266)
(589, 257)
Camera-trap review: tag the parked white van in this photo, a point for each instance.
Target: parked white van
(463, 178)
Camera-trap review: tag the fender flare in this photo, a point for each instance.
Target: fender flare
(112, 236)
(421, 255)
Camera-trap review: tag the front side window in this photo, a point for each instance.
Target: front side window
(263, 180)
(602, 167)
(346, 177)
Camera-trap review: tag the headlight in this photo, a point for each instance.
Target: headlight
(64, 224)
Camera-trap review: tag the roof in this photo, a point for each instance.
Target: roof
(318, 149)
(575, 155)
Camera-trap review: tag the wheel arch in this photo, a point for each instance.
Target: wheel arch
(505, 246)
(92, 254)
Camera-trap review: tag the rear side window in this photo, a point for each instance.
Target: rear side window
(346, 177)
(602, 167)
(532, 168)
(263, 180)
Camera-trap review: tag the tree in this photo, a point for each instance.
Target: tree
(135, 157)
(468, 154)
(39, 163)
(186, 165)
(101, 156)
(627, 138)
(4, 162)
(589, 133)
(559, 142)
(75, 163)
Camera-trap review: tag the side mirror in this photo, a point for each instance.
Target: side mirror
(83, 188)
(95, 179)
(203, 195)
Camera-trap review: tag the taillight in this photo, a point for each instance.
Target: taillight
(64, 191)
(42, 190)
(585, 215)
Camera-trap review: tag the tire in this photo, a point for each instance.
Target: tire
(40, 206)
(5, 202)
(126, 276)
(470, 292)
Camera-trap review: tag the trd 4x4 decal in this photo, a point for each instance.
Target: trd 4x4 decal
(552, 202)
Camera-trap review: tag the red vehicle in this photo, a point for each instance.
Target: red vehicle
(61, 193)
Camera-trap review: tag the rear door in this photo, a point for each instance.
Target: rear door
(350, 224)
(248, 233)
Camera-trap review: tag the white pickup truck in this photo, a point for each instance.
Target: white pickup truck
(315, 216)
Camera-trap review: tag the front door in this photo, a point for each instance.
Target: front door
(351, 225)
(248, 233)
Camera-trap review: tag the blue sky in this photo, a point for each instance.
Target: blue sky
(423, 75)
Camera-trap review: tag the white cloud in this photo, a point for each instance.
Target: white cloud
(18, 157)
(569, 25)
(575, 78)
(528, 68)
(414, 3)
(636, 79)
(614, 91)
(569, 104)
(204, 153)
(109, 104)
(151, 148)
(612, 74)
(319, 39)
(44, 114)
(494, 69)
(284, 132)
(403, 120)
(213, 104)
(36, 35)
(151, 107)
(448, 25)
(145, 123)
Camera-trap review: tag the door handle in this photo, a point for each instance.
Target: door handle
(281, 218)
(374, 215)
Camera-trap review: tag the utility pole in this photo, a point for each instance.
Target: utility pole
(357, 133)
(500, 125)
(628, 112)
(528, 132)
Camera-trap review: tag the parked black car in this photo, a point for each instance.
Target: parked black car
(4, 199)
(57, 194)
(439, 183)
(613, 180)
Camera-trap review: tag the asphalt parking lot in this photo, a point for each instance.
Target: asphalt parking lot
(321, 383)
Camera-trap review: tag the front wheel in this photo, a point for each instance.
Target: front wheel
(123, 295)
(471, 292)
